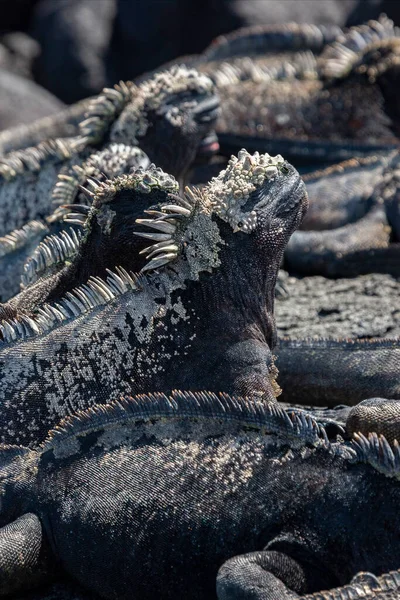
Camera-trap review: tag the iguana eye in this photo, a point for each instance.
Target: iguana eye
(284, 170)
(240, 224)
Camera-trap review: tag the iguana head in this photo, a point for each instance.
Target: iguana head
(256, 202)
(171, 117)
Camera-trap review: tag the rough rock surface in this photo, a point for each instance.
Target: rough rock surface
(366, 306)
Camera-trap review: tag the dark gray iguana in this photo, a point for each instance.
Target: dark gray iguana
(201, 317)
(63, 262)
(41, 243)
(170, 496)
(340, 104)
(353, 225)
(169, 117)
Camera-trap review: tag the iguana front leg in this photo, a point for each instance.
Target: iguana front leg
(23, 557)
(250, 366)
(266, 575)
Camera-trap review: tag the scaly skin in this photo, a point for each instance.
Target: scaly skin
(330, 372)
(200, 314)
(167, 496)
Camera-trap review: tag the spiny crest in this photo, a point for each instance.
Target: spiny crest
(113, 160)
(165, 220)
(31, 160)
(376, 451)
(83, 299)
(53, 251)
(141, 180)
(297, 428)
(182, 227)
(246, 69)
(261, 39)
(102, 112)
(21, 237)
(350, 51)
(230, 190)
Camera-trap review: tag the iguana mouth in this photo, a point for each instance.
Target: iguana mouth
(208, 146)
(207, 112)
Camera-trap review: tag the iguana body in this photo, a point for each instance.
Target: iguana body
(354, 223)
(326, 372)
(24, 261)
(158, 493)
(203, 319)
(107, 240)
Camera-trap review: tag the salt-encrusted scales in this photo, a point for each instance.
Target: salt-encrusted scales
(202, 317)
(112, 161)
(230, 191)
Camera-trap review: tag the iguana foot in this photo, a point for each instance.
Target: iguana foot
(375, 415)
(23, 562)
(260, 576)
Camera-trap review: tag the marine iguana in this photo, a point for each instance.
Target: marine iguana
(63, 262)
(353, 226)
(34, 252)
(344, 106)
(199, 314)
(169, 116)
(171, 496)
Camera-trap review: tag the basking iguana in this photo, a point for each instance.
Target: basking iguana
(36, 251)
(63, 262)
(172, 496)
(353, 226)
(339, 104)
(170, 117)
(199, 315)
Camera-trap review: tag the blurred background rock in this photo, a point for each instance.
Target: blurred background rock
(73, 48)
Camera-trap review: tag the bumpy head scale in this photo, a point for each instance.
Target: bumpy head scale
(152, 94)
(230, 191)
